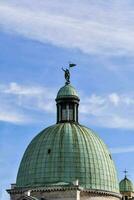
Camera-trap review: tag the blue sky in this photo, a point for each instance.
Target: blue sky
(37, 39)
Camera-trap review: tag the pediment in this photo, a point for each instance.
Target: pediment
(25, 197)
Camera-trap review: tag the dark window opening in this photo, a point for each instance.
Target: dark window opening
(49, 151)
(110, 156)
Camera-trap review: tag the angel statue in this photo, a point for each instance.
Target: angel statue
(67, 72)
(67, 75)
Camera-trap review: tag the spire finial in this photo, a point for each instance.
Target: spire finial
(125, 172)
(67, 73)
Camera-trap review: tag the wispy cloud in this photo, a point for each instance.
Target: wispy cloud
(104, 28)
(12, 117)
(23, 104)
(4, 195)
(16, 89)
(118, 150)
(111, 110)
(18, 102)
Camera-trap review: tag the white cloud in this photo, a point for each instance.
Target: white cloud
(114, 98)
(94, 28)
(115, 121)
(24, 104)
(14, 88)
(111, 110)
(10, 116)
(20, 103)
(118, 150)
(4, 195)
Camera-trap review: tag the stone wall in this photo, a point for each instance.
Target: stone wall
(57, 195)
(91, 196)
(66, 195)
(53, 195)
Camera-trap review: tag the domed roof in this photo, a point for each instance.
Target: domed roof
(64, 153)
(67, 91)
(126, 185)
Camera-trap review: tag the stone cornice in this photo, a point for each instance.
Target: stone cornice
(61, 188)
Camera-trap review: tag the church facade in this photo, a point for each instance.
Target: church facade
(67, 160)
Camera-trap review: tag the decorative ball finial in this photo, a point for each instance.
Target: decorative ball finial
(67, 73)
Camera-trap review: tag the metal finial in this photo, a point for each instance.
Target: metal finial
(125, 172)
(67, 73)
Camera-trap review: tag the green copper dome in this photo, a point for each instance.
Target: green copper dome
(64, 153)
(67, 91)
(126, 185)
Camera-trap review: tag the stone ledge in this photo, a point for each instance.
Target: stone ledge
(62, 188)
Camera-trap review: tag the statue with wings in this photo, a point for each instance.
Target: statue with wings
(67, 73)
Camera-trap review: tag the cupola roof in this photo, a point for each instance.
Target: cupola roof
(126, 185)
(67, 91)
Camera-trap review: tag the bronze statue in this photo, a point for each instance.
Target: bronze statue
(67, 75)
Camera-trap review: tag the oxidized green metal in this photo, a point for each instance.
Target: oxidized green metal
(126, 185)
(65, 152)
(66, 92)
